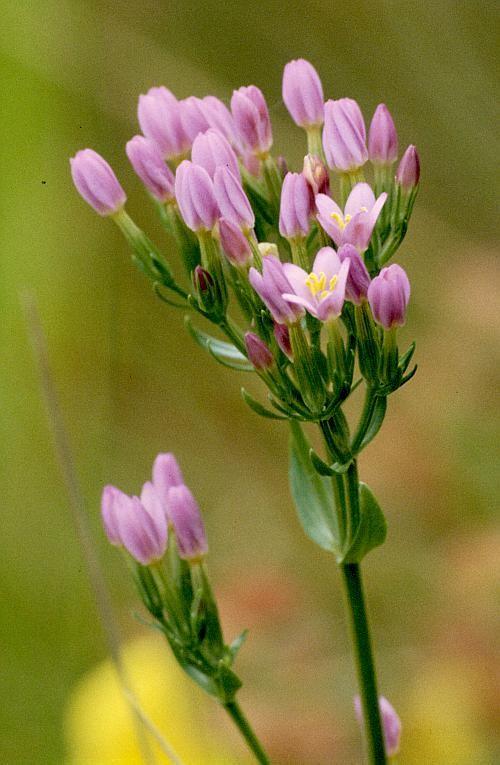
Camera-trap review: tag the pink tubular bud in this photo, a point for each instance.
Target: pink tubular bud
(258, 353)
(388, 295)
(143, 532)
(193, 117)
(111, 497)
(358, 279)
(382, 137)
(303, 93)
(391, 724)
(232, 200)
(408, 173)
(219, 117)
(296, 207)
(271, 285)
(195, 196)
(282, 337)
(211, 150)
(344, 136)
(96, 182)
(188, 523)
(147, 161)
(251, 119)
(160, 121)
(166, 473)
(316, 174)
(234, 243)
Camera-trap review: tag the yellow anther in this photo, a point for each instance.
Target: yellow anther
(316, 283)
(338, 220)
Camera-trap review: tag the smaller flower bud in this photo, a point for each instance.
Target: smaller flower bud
(258, 353)
(159, 117)
(219, 117)
(211, 150)
(408, 173)
(143, 531)
(109, 501)
(296, 207)
(282, 337)
(388, 295)
(358, 279)
(344, 136)
(391, 724)
(303, 93)
(188, 524)
(147, 161)
(251, 119)
(316, 174)
(382, 137)
(193, 117)
(166, 473)
(195, 196)
(234, 244)
(232, 200)
(96, 182)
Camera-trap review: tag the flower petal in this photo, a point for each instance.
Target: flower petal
(360, 196)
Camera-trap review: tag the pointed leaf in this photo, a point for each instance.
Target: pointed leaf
(237, 643)
(372, 529)
(258, 408)
(312, 494)
(224, 352)
(320, 467)
(376, 421)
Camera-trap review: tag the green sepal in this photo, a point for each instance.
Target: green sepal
(376, 421)
(228, 683)
(258, 408)
(404, 360)
(312, 494)
(372, 528)
(237, 643)
(157, 290)
(320, 467)
(224, 353)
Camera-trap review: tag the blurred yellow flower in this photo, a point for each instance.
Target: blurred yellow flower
(99, 726)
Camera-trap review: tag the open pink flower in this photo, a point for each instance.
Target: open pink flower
(355, 225)
(322, 292)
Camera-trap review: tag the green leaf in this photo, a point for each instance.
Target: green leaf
(376, 421)
(372, 529)
(258, 408)
(225, 353)
(312, 494)
(320, 467)
(237, 643)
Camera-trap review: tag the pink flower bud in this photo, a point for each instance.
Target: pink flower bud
(303, 93)
(232, 200)
(147, 161)
(193, 117)
(219, 117)
(271, 285)
(388, 295)
(111, 497)
(195, 196)
(408, 173)
(316, 174)
(166, 473)
(234, 243)
(143, 531)
(358, 279)
(258, 353)
(344, 136)
(211, 150)
(282, 337)
(188, 523)
(159, 116)
(391, 724)
(382, 137)
(296, 207)
(251, 119)
(96, 182)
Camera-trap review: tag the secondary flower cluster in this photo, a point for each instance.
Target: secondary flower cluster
(141, 525)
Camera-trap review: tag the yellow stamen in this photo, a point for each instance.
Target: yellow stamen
(340, 221)
(317, 285)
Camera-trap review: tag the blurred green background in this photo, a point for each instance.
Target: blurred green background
(132, 383)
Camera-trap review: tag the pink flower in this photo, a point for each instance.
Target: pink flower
(382, 137)
(251, 119)
(303, 93)
(296, 206)
(187, 523)
(355, 225)
(147, 161)
(391, 724)
(96, 182)
(211, 150)
(193, 117)
(322, 292)
(388, 295)
(344, 135)
(194, 191)
(140, 525)
(270, 286)
(160, 120)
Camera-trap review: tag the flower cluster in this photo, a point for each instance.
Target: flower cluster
(292, 268)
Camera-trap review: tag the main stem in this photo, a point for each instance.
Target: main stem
(234, 710)
(365, 666)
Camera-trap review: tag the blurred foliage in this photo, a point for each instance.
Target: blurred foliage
(132, 383)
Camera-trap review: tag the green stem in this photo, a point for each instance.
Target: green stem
(364, 663)
(234, 711)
